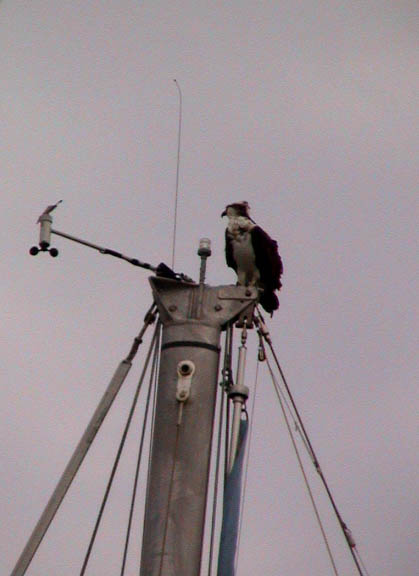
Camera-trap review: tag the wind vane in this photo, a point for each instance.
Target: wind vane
(46, 230)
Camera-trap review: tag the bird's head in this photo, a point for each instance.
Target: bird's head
(237, 209)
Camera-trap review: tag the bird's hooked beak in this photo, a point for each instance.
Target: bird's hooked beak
(224, 213)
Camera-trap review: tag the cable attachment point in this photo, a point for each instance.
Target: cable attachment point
(227, 381)
(262, 329)
(185, 372)
(239, 393)
(349, 536)
(150, 315)
(244, 333)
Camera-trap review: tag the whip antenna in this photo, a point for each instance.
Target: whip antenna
(177, 171)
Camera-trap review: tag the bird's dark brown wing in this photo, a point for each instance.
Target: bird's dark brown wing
(268, 260)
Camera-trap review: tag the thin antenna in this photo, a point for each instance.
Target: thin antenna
(177, 172)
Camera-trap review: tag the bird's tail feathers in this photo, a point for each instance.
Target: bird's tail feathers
(269, 301)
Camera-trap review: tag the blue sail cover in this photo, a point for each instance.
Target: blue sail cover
(231, 509)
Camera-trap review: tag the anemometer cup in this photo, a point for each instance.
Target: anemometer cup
(35, 250)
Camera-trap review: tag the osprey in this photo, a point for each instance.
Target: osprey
(252, 253)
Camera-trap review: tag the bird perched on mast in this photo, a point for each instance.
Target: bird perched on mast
(252, 254)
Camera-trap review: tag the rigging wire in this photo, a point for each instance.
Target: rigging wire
(356, 551)
(177, 172)
(152, 381)
(252, 412)
(300, 463)
(169, 497)
(153, 418)
(80, 452)
(309, 447)
(118, 454)
(216, 480)
(226, 382)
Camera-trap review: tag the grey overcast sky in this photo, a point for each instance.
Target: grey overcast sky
(308, 110)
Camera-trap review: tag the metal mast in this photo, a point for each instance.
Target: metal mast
(193, 317)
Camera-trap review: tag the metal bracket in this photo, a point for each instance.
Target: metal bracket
(185, 371)
(241, 293)
(213, 306)
(245, 320)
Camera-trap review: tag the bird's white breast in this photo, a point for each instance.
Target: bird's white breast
(243, 253)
